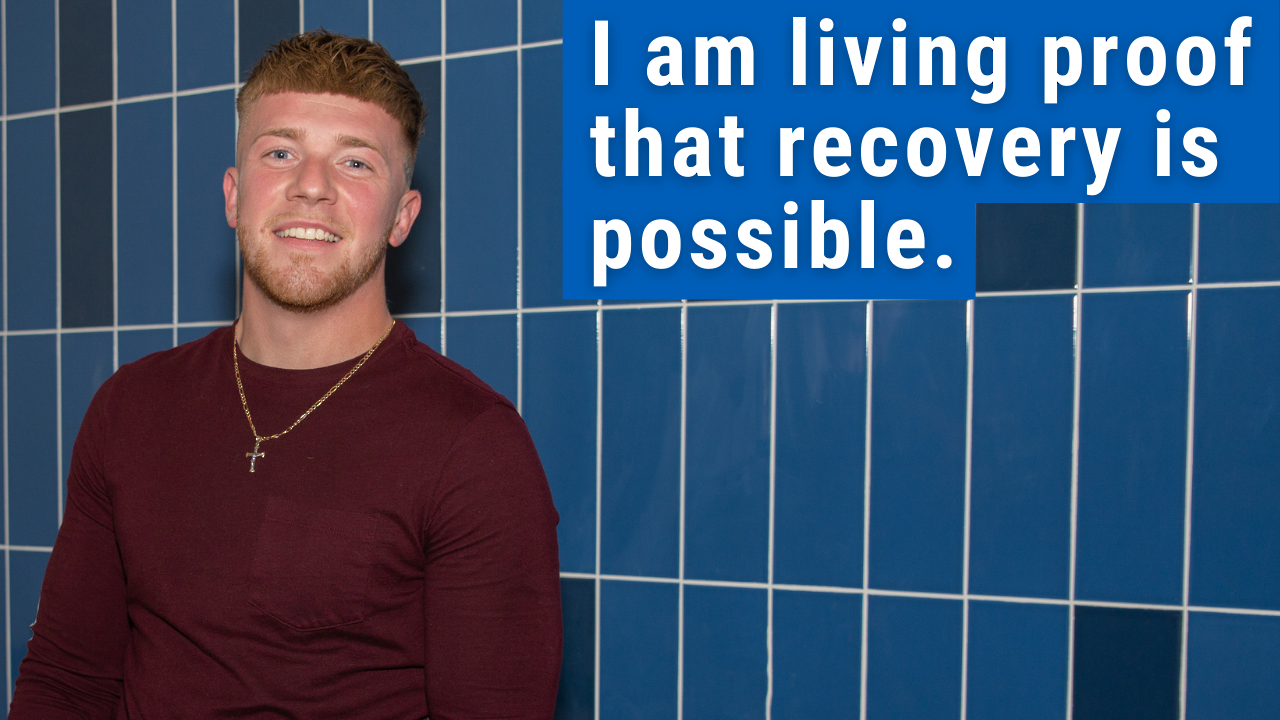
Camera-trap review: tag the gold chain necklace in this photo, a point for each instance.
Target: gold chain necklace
(259, 439)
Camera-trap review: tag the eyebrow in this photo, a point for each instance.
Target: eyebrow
(359, 142)
(287, 133)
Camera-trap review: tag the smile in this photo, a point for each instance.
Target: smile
(307, 234)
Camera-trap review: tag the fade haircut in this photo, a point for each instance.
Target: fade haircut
(323, 62)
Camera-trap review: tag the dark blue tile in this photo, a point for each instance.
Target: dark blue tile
(542, 198)
(1133, 447)
(34, 478)
(191, 334)
(725, 653)
(413, 269)
(144, 207)
(1026, 246)
(1231, 663)
(84, 68)
(560, 407)
(144, 51)
(1137, 244)
(1235, 526)
(1238, 242)
(88, 285)
(485, 345)
(821, 424)
(479, 24)
(206, 246)
(1017, 661)
(639, 625)
(918, 375)
(427, 330)
(576, 697)
(26, 574)
(817, 655)
(542, 21)
(345, 17)
(913, 658)
(481, 188)
(137, 344)
(88, 359)
(206, 43)
(29, 55)
(727, 446)
(32, 265)
(263, 23)
(1023, 394)
(1126, 664)
(640, 451)
(407, 28)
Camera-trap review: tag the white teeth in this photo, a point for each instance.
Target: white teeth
(308, 234)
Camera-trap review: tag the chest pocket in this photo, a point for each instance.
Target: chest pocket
(311, 566)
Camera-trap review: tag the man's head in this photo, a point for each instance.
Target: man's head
(328, 131)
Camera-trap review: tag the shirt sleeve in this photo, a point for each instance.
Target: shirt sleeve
(492, 585)
(74, 661)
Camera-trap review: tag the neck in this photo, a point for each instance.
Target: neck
(271, 335)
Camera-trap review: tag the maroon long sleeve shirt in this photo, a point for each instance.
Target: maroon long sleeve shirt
(393, 556)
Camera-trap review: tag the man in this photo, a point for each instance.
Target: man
(308, 514)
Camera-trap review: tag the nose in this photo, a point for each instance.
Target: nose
(312, 183)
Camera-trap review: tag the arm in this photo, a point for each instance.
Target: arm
(492, 587)
(73, 666)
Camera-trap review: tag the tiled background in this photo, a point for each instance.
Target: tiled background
(1009, 508)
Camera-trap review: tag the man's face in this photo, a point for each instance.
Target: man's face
(317, 193)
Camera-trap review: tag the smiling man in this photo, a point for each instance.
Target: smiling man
(309, 513)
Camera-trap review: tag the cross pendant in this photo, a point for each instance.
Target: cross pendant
(253, 456)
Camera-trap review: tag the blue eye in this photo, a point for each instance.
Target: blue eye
(280, 154)
(357, 164)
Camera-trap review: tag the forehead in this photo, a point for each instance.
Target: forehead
(323, 116)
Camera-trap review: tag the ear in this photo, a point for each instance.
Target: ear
(231, 194)
(410, 205)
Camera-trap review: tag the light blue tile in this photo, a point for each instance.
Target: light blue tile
(918, 376)
(426, 329)
(1133, 451)
(560, 408)
(913, 658)
(32, 264)
(34, 479)
(144, 48)
(206, 246)
(88, 359)
(407, 28)
(30, 60)
(725, 652)
(26, 573)
(542, 197)
(485, 345)
(144, 207)
(1023, 390)
(1231, 662)
(206, 43)
(1017, 661)
(480, 24)
(1235, 523)
(1239, 242)
(640, 483)
(727, 447)
(639, 625)
(480, 194)
(1137, 244)
(817, 655)
(137, 344)
(346, 17)
(542, 20)
(820, 466)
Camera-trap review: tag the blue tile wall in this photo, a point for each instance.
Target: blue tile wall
(709, 460)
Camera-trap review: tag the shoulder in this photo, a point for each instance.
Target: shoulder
(177, 369)
(448, 385)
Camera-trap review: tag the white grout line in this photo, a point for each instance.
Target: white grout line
(866, 517)
(1192, 307)
(968, 504)
(57, 245)
(173, 109)
(4, 342)
(370, 19)
(519, 208)
(1078, 319)
(684, 434)
(477, 53)
(773, 484)
(444, 164)
(115, 191)
(302, 16)
(1131, 288)
(599, 477)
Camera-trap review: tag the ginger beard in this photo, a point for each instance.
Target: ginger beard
(297, 284)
